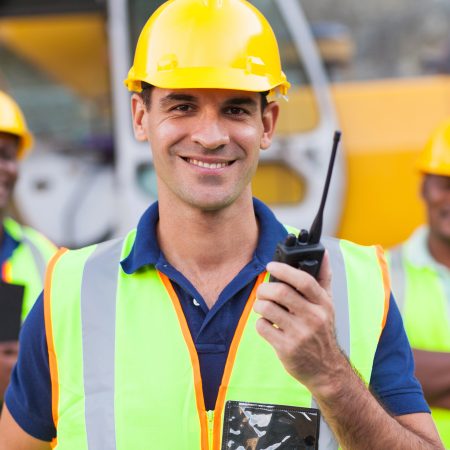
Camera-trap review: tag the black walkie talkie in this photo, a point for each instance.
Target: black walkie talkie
(305, 252)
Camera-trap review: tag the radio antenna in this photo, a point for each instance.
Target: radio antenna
(316, 228)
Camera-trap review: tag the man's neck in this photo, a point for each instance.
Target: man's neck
(208, 247)
(439, 249)
(207, 238)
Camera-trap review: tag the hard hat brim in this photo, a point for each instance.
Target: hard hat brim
(208, 78)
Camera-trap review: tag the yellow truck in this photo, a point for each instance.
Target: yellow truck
(88, 179)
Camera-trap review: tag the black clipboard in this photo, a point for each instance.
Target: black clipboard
(11, 299)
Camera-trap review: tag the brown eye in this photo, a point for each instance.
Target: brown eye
(183, 108)
(236, 111)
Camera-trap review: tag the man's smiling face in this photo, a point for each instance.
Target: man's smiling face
(436, 194)
(8, 167)
(205, 142)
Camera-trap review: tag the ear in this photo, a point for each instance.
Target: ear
(139, 112)
(269, 119)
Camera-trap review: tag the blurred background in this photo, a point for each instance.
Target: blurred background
(377, 70)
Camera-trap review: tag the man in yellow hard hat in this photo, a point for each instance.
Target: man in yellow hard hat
(23, 252)
(420, 270)
(172, 338)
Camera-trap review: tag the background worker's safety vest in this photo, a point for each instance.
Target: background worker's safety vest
(26, 266)
(425, 307)
(124, 369)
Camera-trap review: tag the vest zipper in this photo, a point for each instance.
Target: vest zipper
(210, 419)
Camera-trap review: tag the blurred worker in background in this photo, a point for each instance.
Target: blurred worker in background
(420, 274)
(24, 252)
(154, 341)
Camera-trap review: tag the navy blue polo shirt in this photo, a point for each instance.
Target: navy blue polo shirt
(29, 394)
(7, 246)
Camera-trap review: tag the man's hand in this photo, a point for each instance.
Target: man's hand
(8, 357)
(298, 321)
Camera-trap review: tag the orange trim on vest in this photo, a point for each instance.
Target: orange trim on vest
(52, 360)
(386, 283)
(194, 360)
(7, 272)
(220, 402)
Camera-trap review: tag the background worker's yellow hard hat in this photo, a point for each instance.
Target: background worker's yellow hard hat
(222, 44)
(13, 122)
(435, 157)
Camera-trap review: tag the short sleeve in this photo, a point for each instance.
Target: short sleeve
(28, 396)
(392, 380)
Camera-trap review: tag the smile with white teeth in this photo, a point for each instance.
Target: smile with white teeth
(196, 162)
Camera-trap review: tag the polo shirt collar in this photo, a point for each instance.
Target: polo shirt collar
(146, 251)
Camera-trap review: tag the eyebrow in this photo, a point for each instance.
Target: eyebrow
(241, 101)
(173, 97)
(238, 101)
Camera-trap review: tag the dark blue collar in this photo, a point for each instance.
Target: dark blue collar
(146, 251)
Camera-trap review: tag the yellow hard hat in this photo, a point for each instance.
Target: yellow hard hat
(12, 121)
(222, 44)
(435, 157)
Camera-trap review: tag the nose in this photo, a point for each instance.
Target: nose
(210, 132)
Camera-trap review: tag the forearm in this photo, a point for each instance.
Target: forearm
(433, 372)
(12, 437)
(359, 422)
(8, 357)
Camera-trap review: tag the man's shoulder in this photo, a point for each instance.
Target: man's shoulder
(71, 258)
(414, 252)
(357, 258)
(21, 233)
(13, 228)
(46, 247)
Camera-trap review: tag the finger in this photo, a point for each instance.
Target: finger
(284, 295)
(301, 281)
(325, 274)
(270, 333)
(273, 313)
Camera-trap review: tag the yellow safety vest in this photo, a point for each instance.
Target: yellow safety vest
(124, 369)
(26, 265)
(425, 309)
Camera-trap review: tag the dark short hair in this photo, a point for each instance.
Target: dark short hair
(146, 95)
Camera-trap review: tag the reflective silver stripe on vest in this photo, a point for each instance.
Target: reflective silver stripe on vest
(98, 318)
(37, 256)
(327, 440)
(398, 276)
(340, 293)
